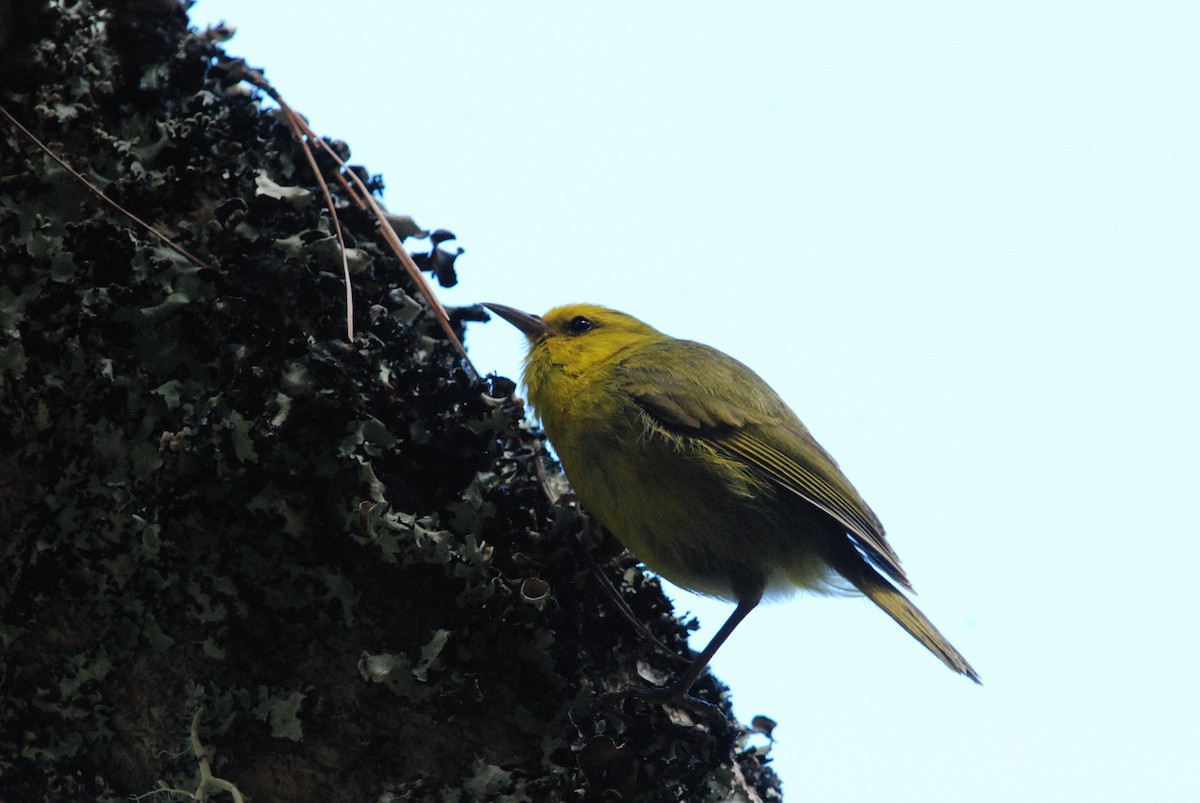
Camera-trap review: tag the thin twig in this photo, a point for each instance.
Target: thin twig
(610, 590)
(294, 122)
(82, 179)
(393, 240)
(207, 779)
(365, 200)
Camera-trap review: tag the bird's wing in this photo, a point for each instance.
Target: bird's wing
(695, 391)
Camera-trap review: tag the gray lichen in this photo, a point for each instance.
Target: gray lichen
(340, 553)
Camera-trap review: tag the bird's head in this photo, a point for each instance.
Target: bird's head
(576, 338)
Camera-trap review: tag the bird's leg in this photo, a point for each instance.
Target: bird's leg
(747, 601)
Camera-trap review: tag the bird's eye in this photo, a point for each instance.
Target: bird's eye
(580, 325)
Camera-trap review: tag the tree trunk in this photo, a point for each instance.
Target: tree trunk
(239, 547)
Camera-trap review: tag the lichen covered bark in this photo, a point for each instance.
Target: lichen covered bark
(340, 554)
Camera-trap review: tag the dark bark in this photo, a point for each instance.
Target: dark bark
(339, 553)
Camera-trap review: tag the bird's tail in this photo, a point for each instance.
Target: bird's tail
(871, 583)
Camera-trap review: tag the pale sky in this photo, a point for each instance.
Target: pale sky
(960, 238)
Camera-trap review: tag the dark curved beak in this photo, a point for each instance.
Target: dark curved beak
(532, 326)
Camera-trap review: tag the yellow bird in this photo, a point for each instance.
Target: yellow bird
(704, 473)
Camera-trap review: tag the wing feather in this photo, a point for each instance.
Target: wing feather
(819, 486)
(709, 395)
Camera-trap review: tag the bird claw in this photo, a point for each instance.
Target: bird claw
(700, 710)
